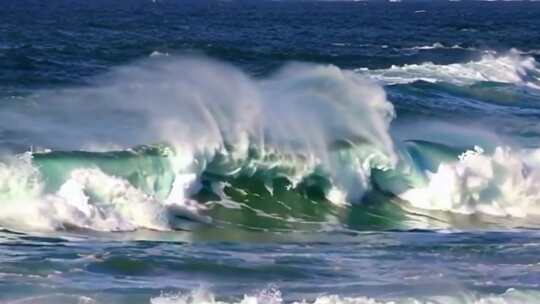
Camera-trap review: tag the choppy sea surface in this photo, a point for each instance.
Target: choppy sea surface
(269, 152)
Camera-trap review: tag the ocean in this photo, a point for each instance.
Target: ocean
(269, 152)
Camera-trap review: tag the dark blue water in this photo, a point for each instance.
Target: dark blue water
(273, 152)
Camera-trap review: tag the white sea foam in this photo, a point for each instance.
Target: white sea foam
(511, 296)
(58, 298)
(158, 53)
(274, 296)
(511, 68)
(115, 205)
(88, 199)
(438, 45)
(504, 183)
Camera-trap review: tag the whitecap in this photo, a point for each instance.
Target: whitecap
(512, 68)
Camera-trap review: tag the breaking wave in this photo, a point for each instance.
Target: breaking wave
(212, 119)
(439, 45)
(169, 140)
(142, 188)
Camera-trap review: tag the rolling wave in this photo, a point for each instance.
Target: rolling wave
(307, 147)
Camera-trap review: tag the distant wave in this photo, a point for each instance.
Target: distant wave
(513, 68)
(158, 53)
(439, 45)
